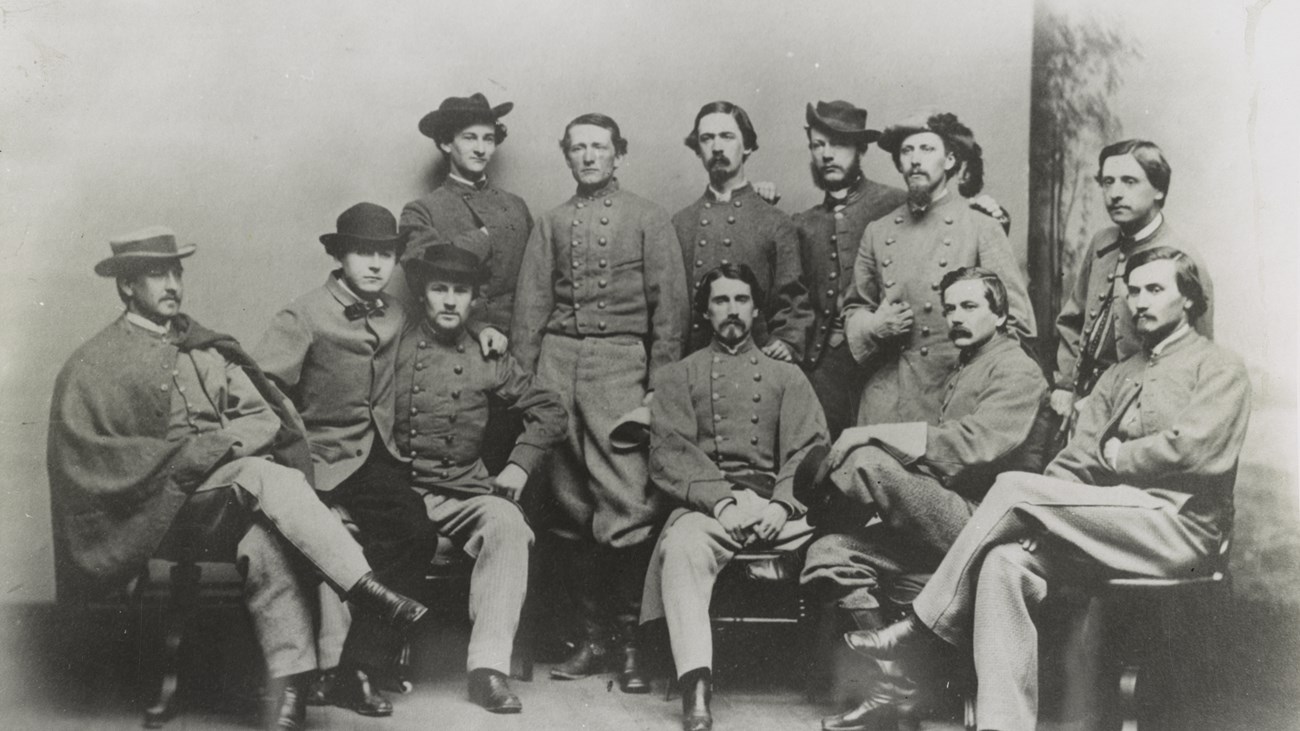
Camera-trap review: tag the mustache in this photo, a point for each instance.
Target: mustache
(718, 159)
(959, 332)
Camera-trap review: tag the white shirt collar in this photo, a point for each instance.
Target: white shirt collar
(1174, 336)
(1150, 228)
(470, 183)
(147, 324)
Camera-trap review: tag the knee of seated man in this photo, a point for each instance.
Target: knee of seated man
(687, 537)
(503, 521)
(256, 473)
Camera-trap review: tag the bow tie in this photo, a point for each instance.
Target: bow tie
(831, 203)
(358, 310)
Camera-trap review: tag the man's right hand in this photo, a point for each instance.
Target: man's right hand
(1062, 402)
(892, 319)
(737, 523)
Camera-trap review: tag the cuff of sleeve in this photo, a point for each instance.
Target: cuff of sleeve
(527, 456)
(857, 333)
(791, 511)
(704, 494)
(724, 502)
(905, 442)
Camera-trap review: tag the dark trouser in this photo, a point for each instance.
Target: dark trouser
(398, 540)
(606, 585)
(837, 379)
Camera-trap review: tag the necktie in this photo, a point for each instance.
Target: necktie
(358, 310)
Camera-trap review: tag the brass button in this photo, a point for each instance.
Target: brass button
(581, 204)
(758, 397)
(731, 219)
(704, 222)
(834, 275)
(423, 344)
(601, 325)
(704, 242)
(753, 440)
(708, 204)
(455, 394)
(736, 204)
(604, 220)
(726, 242)
(458, 370)
(604, 262)
(608, 203)
(602, 241)
(758, 376)
(460, 347)
(897, 219)
(576, 222)
(602, 283)
(925, 350)
(753, 418)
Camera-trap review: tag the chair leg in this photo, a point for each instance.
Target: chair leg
(175, 620)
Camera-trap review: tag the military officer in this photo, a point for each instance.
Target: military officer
(729, 425)
(922, 479)
(601, 308)
(443, 388)
(731, 223)
(829, 234)
(893, 322)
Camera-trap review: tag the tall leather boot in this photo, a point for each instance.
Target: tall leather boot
(584, 580)
(697, 694)
(892, 695)
(628, 567)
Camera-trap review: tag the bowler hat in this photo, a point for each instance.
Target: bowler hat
(445, 262)
(943, 124)
(458, 112)
(130, 251)
(366, 224)
(841, 118)
(632, 432)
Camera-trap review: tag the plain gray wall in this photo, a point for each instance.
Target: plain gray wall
(247, 127)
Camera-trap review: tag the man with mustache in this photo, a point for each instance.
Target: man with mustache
(923, 480)
(601, 309)
(729, 426)
(1143, 488)
(829, 234)
(1095, 328)
(332, 350)
(444, 385)
(733, 224)
(893, 323)
(167, 437)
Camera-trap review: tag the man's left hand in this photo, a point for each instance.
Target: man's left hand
(510, 483)
(493, 342)
(767, 191)
(1110, 451)
(770, 523)
(779, 350)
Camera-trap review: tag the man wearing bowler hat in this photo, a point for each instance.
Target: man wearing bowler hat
(893, 319)
(470, 213)
(163, 434)
(829, 234)
(333, 350)
(444, 385)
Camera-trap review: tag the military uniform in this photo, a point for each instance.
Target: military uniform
(443, 389)
(1099, 291)
(1160, 509)
(902, 258)
(925, 480)
(454, 213)
(747, 230)
(725, 426)
(829, 234)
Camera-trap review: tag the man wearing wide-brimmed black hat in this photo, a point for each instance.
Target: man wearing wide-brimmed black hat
(444, 386)
(158, 423)
(893, 320)
(829, 234)
(467, 211)
(333, 350)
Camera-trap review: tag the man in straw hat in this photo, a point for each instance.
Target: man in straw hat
(332, 350)
(829, 234)
(159, 424)
(893, 319)
(444, 386)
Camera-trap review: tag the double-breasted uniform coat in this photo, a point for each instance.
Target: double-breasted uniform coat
(829, 235)
(747, 230)
(726, 426)
(903, 257)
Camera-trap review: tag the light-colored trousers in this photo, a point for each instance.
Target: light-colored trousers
(286, 518)
(986, 589)
(690, 554)
(492, 530)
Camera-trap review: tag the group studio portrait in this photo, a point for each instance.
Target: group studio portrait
(856, 365)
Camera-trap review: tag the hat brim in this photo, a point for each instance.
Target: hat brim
(892, 138)
(420, 272)
(117, 265)
(440, 119)
(866, 136)
(632, 432)
(337, 239)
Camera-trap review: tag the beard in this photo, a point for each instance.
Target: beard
(718, 170)
(732, 332)
(850, 176)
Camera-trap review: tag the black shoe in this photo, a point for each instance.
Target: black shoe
(290, 698)
(590, 658)
(398, 612)
(490, 689)
(888, 700)
(320, 686)
(809, 479)
(353, 690)
(887, 643)
(630, 677)
(697, 693)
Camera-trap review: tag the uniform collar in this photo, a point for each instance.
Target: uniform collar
(996, 344)
(949, 195)
(427, 329)
(609, 188)
(460, 182)
(714, 196)
(744, 347)
(1173, 339)
(1121, 239)
(845, 196)
(148, 325)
